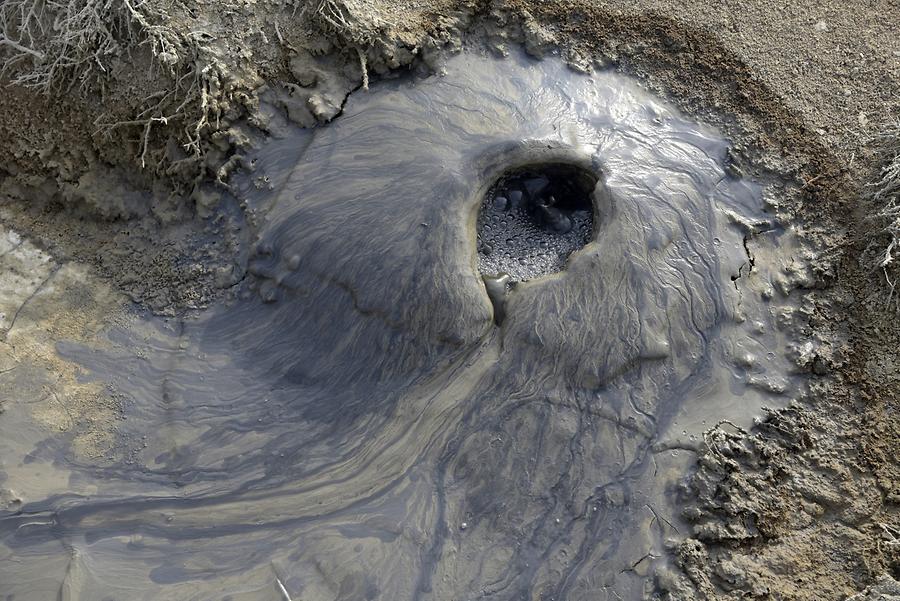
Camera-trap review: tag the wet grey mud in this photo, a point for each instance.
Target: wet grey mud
(357, 426)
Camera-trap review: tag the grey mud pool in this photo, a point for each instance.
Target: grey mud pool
(380, 413)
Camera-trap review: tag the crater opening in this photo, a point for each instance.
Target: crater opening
(533, 218)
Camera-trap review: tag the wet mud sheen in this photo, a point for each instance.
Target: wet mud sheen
(362, 424)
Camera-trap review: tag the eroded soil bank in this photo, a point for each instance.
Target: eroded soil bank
(803, 506)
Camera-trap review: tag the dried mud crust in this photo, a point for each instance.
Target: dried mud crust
(805, 506)
(801, 508)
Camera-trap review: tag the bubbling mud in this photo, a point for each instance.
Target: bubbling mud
(356, 426)
(533, 219)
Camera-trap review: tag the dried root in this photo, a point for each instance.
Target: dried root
(887, 194)
(363, 69)
(193, 102)
(55, 46)
(355, 21)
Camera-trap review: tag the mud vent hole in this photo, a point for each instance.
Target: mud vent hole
(533, 218)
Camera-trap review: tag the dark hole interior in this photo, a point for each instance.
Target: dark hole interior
(533, 218)
(549, 192)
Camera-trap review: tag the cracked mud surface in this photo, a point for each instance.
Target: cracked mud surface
(801, 506)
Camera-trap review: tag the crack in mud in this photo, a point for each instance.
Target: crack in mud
(750, 259)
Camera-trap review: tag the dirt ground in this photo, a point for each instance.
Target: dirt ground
(806, 505)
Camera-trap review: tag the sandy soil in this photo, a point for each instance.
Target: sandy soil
(805, 506)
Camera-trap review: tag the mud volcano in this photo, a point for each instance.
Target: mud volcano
(356, 426)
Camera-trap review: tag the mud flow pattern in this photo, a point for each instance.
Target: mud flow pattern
(533, 218)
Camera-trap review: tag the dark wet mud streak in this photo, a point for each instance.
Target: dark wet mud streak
(359, 427)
